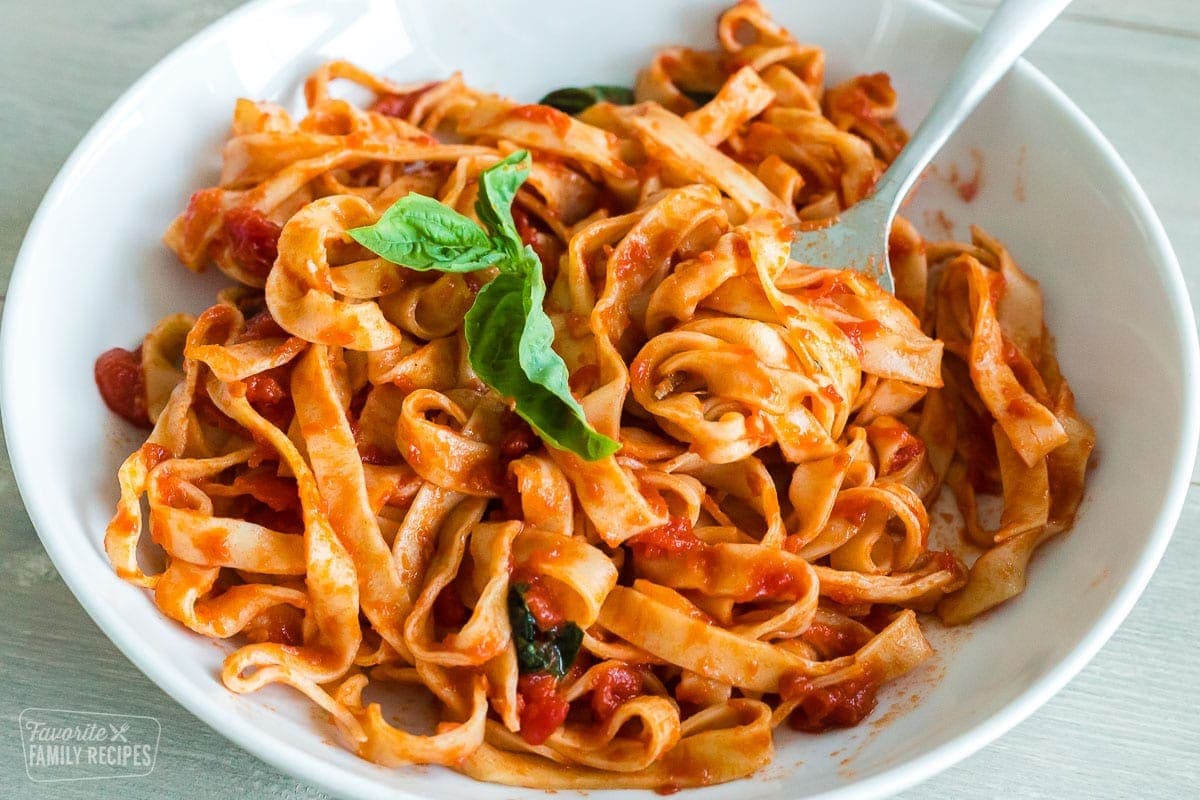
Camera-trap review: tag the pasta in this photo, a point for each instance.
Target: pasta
(600, 468)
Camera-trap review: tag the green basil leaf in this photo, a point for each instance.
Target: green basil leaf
(509, 337)
(552, 651)
(420, 233)
(498, 185)
(509, 341)
(567, 639)
(574, 99)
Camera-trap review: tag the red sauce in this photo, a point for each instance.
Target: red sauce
(518, 438)
(879, 617)
(947, 562)
(253, 240)
(666, 540)
(912, 449)
(261, 326)
(831, 393)
(969, 188)
(615, 686)
(583, 379)
(556, 120)
(269, 489)
(400, 105)
(280, 624)
(449, 611)
(201, 208)
(154, 454)
(852, 509)
(268, 394)
(634, 254)
(287, 520)
(122, 384)
(540, 600)
(539, 706)
(510, 502)
(832, 641)
(525, 228)
(371, 454)
(772, 582)
(829, 286)
(1019, 407)
(855, 331)
(840, 705)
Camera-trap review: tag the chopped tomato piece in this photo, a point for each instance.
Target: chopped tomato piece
(449, 611)
(839, 705)
(615, 686)
(540, 707)
(253, 240)
(122, 384)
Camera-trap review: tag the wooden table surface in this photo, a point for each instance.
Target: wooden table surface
(1126, 727)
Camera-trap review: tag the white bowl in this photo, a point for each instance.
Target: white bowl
(92, 274)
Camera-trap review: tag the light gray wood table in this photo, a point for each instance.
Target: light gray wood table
(1127, 727)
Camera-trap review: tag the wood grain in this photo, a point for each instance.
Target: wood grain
(1126, 727)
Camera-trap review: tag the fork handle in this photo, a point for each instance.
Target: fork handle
(1008, 33)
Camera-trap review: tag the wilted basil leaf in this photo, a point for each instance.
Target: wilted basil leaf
(574, 99)
(553, 651)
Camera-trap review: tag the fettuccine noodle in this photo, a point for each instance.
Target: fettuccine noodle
(333, 486)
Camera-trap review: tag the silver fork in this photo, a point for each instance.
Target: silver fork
(857, 239)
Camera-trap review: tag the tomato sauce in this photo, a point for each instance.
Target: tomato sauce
(261, 326)
(666, 540)
(281, 624)
(449, 611)
(833, 641)
(278, 494)
(122, 384)
(852, 509)
(154, 454)
(372, 454)
(253, 240)
(541, 601)
(912, 449)
(518, 438)
(268, 394)
(554, 119)
(857, 331)
(840, 705)
(616, 685)
(773, 581)
(400, 105)
(539, 706)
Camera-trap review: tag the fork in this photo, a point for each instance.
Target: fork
(857, 238)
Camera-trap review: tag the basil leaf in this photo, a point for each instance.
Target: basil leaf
(509, 345)
(579, 98)
(509, 337)
(498, 185)
(420, 233)
(552, 651)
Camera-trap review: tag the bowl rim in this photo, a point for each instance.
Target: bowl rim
(295, 761)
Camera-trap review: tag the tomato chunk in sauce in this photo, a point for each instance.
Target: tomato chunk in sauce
(253, 240)
(666, 540)
(839, 705)
(616, 685)
(122, 384)
(540, 706)
(541, 600)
